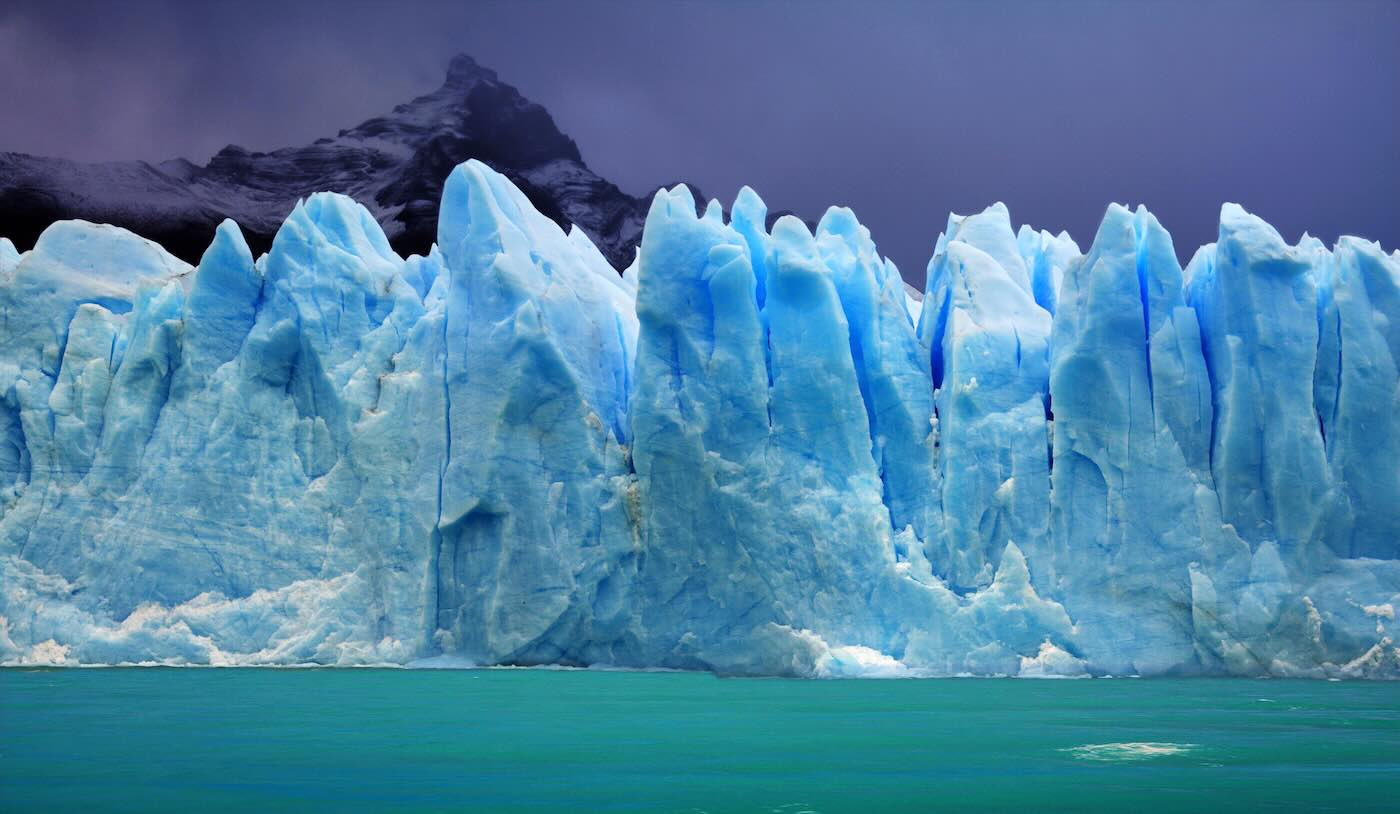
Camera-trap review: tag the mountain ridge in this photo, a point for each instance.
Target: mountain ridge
(396, 164)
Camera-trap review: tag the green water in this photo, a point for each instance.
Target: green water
(528, 740)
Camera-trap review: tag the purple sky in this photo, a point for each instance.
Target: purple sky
(903, 111)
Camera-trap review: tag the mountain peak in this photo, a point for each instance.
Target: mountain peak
(394, 164)
(465, 70)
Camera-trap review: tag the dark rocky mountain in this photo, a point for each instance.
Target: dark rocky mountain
(393, 164)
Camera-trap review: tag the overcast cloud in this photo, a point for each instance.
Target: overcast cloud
(903, 111)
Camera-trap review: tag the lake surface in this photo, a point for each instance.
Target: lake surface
(212, 740)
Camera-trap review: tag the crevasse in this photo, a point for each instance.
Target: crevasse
(751, 453)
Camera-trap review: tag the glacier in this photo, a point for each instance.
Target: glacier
(753, 452)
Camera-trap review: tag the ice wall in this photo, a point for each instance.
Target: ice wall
(753, 452)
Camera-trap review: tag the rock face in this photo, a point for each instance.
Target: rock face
(754, 452)
(394, 165)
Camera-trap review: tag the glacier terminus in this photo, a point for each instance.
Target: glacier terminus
(754, 452)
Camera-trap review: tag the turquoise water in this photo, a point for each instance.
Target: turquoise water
(531, 740)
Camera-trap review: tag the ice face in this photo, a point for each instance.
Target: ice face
(1132, 422)
(531, 546)
(1355, 392)
(752, 452)
(989, 343)
(9, 257)
(1267, 453)
(893, 377)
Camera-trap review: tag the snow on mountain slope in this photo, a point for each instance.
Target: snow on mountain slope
(754, 452)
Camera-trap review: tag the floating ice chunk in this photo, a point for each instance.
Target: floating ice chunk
(1131, 751)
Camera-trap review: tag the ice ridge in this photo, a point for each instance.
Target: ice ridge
(753, 452)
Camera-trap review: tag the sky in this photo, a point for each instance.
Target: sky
(903, 111)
